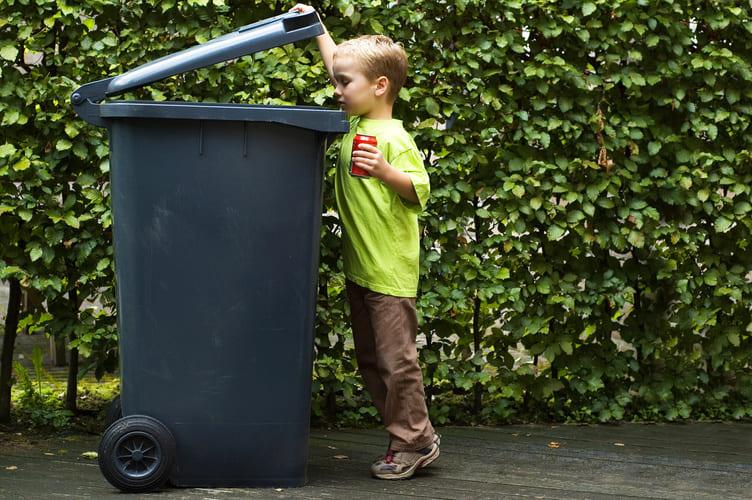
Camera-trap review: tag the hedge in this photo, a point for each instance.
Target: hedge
(585, 246)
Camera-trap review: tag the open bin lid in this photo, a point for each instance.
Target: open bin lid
(262, 35)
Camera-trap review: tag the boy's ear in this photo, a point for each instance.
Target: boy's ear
(382, 85)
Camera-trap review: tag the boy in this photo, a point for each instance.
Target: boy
(380, 241)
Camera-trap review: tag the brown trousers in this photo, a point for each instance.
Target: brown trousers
(384, 329)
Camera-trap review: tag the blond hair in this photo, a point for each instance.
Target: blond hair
(378, 55)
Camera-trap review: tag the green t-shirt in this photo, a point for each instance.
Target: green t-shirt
(381, 240)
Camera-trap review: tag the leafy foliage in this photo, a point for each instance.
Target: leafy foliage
(39, 401)
(584, 249)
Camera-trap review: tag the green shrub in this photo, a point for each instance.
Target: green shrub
(585, 245)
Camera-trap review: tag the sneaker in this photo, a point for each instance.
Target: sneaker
(403, 464)
(437, 442)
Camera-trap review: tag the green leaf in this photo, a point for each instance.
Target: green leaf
(22, 164)
(742, 208)
(9, 52)
(712, 132)
(7, 150)
(575, 216)
(732, 96)
(63, 144)
(71, 130)
(733, 338)
(588, 8)
(432, 106)
(15, 271)
(565, 104)
(636, 238)
(71, 220)
(566, 346)
(722, 224)
(35, 254)
(555, 232)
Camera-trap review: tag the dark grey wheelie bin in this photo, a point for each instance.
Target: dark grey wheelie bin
(216, 215)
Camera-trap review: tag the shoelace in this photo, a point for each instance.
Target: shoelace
(389, 458)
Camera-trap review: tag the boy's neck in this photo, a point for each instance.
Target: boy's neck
(379, 113)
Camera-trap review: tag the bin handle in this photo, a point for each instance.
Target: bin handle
(266, 34)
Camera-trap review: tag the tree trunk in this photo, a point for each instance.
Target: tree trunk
(477, 334)
(478, 389)
(9, 342)
(331, 405)
(71, 393)
(431, 369)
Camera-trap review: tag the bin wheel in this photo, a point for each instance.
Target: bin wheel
(136, 454)
(114, 412)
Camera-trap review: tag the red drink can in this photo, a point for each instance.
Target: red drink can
(357, 141)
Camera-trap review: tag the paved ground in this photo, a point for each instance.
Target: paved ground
(615, 461)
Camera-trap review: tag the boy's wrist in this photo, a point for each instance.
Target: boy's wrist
(386, 174)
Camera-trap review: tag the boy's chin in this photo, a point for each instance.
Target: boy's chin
(350, 111)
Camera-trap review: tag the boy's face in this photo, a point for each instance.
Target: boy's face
(355, 92)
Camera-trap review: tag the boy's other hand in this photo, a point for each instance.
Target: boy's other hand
(302, 8)
(370, 159)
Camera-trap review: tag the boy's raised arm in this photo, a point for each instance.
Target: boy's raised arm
(325, 42)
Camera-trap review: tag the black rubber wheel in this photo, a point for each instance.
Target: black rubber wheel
(114, 412)
(136, 454)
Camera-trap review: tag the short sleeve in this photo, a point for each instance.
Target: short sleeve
(410, 162)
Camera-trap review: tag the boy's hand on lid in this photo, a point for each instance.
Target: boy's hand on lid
(302, 8)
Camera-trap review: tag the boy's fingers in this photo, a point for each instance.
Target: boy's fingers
(363, 155)
(364, 166)
(301, 8)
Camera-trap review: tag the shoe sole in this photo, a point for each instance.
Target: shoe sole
(421, 462)
(432, 460)
(429, 462)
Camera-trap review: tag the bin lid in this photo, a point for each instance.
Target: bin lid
(268, 33)
(308, 117)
